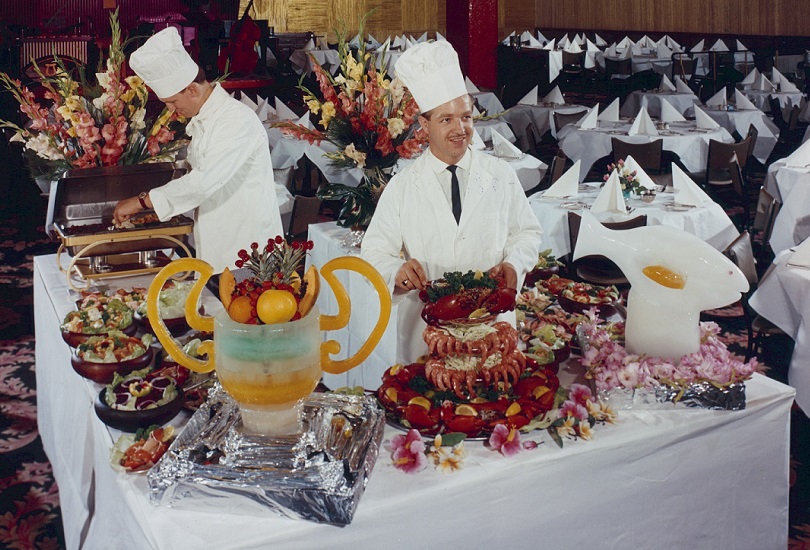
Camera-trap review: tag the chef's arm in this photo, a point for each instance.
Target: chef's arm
(525, 234)
(382, 243)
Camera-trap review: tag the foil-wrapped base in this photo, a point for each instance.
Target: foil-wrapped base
(697, 394)
(317, 475)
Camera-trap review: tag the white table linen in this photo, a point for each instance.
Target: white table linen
(683, 103)
(689, 143)
(782, 298)
(786, 99)
(536, 118)
(791, 186)
(709, 222)
(720, 479)
(741, 119)
(302, 62)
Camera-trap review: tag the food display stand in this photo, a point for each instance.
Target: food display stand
(680, 478)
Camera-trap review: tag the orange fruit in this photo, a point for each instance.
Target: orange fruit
(227, 284)
(313, 281)
(239, 310)
(276, 306)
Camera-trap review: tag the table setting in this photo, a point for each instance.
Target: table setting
(678, 95)
(531, 114)
(788, 180)
(738, 115)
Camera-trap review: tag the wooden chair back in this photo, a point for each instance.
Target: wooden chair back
(305, 212)
(741, 252)
(647, 155)
(557, 166)
(562, 119)
(619, 67)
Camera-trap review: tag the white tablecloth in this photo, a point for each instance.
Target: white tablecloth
(536, 118)
(690, 144)
(786, 99)
(287, 152)
(710, 222)
(683, 103)
(791, 185)
(782, 298)
(741, 119)
(718, 479)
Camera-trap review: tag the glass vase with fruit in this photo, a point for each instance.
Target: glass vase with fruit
(267, 347)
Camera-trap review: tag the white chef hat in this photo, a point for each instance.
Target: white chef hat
(431, 72)
(164, 64)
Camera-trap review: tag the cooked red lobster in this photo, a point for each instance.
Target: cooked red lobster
(469, 305)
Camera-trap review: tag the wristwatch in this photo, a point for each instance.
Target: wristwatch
(142, 199)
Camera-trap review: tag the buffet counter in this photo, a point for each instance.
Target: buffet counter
(680, 478)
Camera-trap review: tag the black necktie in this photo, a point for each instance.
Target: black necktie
(455, 193)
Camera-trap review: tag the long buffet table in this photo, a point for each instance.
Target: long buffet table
(670, 479)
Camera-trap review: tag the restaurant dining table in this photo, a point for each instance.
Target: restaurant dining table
(301, 60)
(782, 298)
(538, 119)
(289, 150)
(739, 120)
(651, 99)
(690, 143)
(717, 478)
(761, 98)
(708, 222)
(791, 186)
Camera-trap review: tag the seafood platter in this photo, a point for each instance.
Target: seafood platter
(82, 207)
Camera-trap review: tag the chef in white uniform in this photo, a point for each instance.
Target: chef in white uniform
(230, 187)
(415, 236)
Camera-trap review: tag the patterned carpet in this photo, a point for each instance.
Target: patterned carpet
(29, 501)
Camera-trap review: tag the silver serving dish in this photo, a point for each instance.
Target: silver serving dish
(318, 475)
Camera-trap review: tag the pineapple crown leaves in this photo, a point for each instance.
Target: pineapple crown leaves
(276, 261)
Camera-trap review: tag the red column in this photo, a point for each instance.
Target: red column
(472, 29)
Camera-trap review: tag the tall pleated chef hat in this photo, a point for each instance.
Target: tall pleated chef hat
(431, 72)
(164, 64)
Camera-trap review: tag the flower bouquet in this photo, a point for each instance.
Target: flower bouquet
(630, 184)
(89, 126)
(710, 378)
(371, 121)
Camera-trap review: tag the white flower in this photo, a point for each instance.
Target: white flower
(395, 127)
(397, 90)
(104, 81)
(42, 146)
(137, 122)
(98, 103)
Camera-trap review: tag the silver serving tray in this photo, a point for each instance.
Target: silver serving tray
(318, 475)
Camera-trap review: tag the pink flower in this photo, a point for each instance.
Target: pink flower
(505, 440)
(575, 410)
(408, 452)
(579, 394)
(530, 445)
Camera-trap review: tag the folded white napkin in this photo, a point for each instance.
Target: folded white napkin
(687, 191)
(573, 47)
(385, 46)
(555, 96)
(643, 178)
(670, 113)
(785, 85)
(697, 47)
(477, 142)
(265, 111)
(626, 53)
(590, 120)
(801, 257)
(567, 185)
(550, 45)
(599, 40)
(372, 42)
(283, 112)
(309, 45)
(440, 37)
(423, 38)
(525, 36)
(741, 47)
(648, 42)
(611, 51)
(718, 99)
(534, 43)
(643, 125)
(777, 77)
(305, 122)
(400, 42)
(636, 49)
(750, 78)
(704, 121)
(719, 46)
(505, 41)
(580, 39)
(663, 52)
(590, 46)
(530, 98)
(800, 157)
(742, 102)
(610, 198)
(762, 83)
(671, 44)
(563, 42)
(249, 102)
(471, 88)
(624, 43)
(681, 86)
(611, 112)
(666, 84)
(503, 147)
(355, 41)
(541, 37)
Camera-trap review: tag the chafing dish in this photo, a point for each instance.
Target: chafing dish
(83, 205)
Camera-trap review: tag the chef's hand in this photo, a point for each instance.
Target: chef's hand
(505, 271)
(125, 209)
(410, 276)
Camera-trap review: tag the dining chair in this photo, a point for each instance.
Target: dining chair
(572, 66)
(683, 65)
(557, 168)
(598, 270)
(719, 159)
(305, 211)
(647, 155)
(285, 177)
(765, 214)
(752, 134)
(739, 193)
(563, 119)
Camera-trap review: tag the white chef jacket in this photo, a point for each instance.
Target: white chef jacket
(230, 186)
(414, 218)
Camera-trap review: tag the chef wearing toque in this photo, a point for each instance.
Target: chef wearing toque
(454, 208)
(230, 186)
